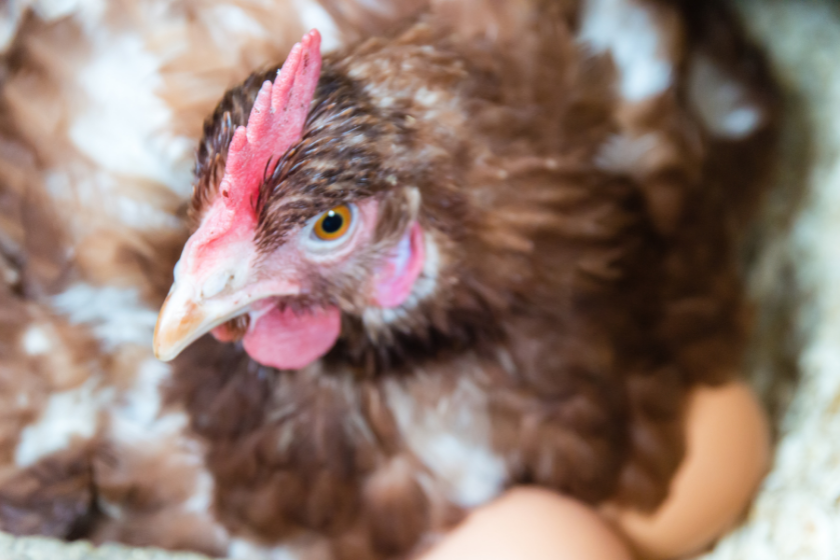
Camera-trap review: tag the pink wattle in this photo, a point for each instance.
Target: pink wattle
(285, 340)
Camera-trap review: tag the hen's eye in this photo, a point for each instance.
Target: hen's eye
(333, 224)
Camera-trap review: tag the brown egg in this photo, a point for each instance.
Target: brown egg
(532, 524)
(728, 451)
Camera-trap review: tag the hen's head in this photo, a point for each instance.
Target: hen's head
(303, 229)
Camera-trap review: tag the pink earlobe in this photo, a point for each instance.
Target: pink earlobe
(395, 280)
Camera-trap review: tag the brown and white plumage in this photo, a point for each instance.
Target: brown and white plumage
(581, 169)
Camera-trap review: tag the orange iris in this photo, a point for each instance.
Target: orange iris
(333, 223)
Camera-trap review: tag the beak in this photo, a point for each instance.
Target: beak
(214, 284)
(185, 317)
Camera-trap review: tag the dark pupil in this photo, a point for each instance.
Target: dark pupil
(333, 222)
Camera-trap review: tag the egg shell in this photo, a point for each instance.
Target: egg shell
(533, 524)
(728, 453)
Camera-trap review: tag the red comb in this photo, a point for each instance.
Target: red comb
(275, 123)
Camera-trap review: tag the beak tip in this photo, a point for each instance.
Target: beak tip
(162, 350)
(156, 348)
(164, 345)
(180, 321)
(164, 354)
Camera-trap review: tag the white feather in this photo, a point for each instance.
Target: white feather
(629, 32)
(721, 101)
(116, 315)
(35, 341)
(123, 74)
(67, 415)
(626, 154)
(452, 440)
(314, 16)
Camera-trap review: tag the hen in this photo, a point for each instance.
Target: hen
(491, 244)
